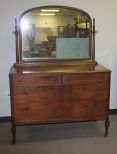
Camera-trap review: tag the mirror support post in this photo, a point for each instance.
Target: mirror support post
(16, 38)
(93, 56)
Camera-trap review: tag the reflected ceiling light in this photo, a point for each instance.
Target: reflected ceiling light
(47, 14)
(50, 10)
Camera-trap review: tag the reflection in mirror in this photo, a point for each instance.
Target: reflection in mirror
(55, 33)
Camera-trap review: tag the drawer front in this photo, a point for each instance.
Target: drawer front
(61, 103)
(58, 79)
(90, 109)
(85, 77)
(88, 101)
(91, 100)
(36, 80)
(90, 90)
(40, 103)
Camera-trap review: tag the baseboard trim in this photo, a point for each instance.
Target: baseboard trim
(113, 111)
(5, 119)
(8, 118)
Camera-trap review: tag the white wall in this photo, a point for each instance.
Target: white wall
(106, 39)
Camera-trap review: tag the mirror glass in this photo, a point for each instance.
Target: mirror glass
(55, 33)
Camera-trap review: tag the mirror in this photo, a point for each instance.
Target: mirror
(54, 32)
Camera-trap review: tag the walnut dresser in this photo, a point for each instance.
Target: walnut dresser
(57, 90)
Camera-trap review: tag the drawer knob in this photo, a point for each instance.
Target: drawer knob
(67, 78)
(55, 79)
(75, 98)
(26, 108)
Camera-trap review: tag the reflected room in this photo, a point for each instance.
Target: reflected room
(55, 33)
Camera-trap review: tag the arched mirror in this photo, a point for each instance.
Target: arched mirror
(52, 33)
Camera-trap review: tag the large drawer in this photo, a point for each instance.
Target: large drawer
(65, 102)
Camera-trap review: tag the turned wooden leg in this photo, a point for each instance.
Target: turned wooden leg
(13, 132)
(106, 128)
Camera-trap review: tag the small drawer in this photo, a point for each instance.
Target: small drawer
(36, 80)
(85, 77)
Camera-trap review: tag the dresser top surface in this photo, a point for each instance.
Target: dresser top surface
(59, 69)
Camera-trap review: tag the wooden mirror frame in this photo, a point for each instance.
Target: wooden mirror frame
(19, 58)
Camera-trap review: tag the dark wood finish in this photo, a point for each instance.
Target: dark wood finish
(58, 90)
(59, 94)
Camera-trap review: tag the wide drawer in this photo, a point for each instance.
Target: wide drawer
(76, 111)
(85, 77)
(36, 80)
